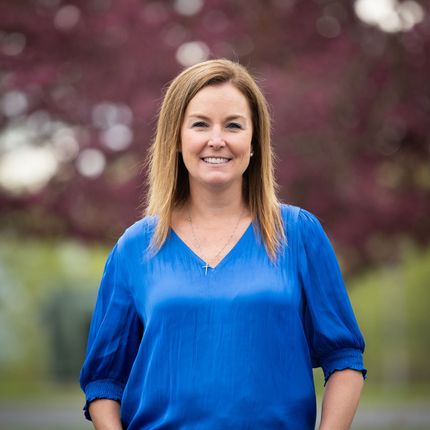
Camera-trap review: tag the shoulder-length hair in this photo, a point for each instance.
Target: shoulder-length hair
(168, 183)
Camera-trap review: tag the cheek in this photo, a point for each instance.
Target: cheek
(189, 143)
(244, 147)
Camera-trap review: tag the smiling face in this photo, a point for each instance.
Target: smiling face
(216, 137)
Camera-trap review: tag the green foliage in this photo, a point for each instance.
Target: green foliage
(34, 276)
(391, 306)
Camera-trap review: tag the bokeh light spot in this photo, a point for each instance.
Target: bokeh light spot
(411, 13)
(175, 35)
(91, 163)
(67, 17)
(105, 115)
(192, 53)
(65, 144)
(154, 13)
(27, 168)
(390, 16)
(117, 137)
(14, 103)
(188, 7)
(328, 26)
(13, 43)
(39, 122)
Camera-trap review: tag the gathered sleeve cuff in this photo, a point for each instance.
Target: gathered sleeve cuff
(343, 359)
(102, 389)
(334, 338)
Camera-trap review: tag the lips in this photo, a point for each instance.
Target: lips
(216, 160)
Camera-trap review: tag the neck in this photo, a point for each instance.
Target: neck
(215, 205)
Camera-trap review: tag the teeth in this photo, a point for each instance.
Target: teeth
(216, 160)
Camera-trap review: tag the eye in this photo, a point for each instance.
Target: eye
(199, 124)
(234, 125)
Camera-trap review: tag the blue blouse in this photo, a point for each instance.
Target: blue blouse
(230, 349)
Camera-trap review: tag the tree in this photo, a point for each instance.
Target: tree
(350, 105)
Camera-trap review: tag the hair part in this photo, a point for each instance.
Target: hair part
(168, 182)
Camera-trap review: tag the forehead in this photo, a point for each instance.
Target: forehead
(220, 98)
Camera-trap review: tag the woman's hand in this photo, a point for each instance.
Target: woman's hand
(105, 414)
(341, 396)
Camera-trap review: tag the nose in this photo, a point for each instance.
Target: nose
(216, 141)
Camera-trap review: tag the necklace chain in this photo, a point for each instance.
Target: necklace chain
(214, 259)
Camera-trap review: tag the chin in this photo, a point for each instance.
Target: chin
(215, 181)
(219, 183)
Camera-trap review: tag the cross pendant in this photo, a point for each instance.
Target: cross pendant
(206, 267)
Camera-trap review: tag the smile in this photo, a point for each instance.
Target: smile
(216, 160)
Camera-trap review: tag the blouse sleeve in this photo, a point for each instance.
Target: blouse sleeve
(334, 338)
(114, 336)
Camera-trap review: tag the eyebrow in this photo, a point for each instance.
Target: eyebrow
(230, 117)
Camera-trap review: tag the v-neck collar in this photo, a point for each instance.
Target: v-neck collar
(226, 257)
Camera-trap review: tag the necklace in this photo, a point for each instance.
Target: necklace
(214, 259)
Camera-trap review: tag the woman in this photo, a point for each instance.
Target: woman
(215, 306)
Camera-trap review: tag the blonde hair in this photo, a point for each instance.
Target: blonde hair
(168, 184)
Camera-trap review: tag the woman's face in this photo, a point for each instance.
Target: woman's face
(216, 137)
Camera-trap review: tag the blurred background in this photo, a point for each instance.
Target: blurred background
(80, 86)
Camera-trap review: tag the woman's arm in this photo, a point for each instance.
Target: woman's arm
(115, 334)
(105, 414)
(341, 397)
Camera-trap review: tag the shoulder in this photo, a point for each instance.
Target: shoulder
(296, 217)
(306, 233)
(138, 235)
(289, 212)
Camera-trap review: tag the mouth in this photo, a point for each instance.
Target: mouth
(216, 160)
